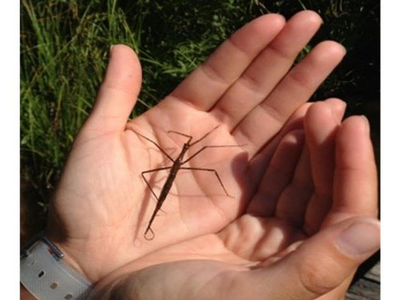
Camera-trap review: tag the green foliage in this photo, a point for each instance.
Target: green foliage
(65, 44)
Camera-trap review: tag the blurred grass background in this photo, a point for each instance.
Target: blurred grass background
(64, 52)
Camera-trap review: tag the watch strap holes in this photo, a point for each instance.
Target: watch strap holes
(54, 285)
(32, 262)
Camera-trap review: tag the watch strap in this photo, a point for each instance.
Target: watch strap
(47, 277)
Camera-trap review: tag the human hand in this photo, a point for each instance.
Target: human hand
(303, 239)
(102, 205)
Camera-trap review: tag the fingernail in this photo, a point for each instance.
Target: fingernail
(367, 126)
(111, 47)
(360, 238)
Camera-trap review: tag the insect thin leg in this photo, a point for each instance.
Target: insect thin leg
(180, 133)
(204, 136)
(148, 184)
(154, 143)
(205, 147)
(209, 170)
(158, 207)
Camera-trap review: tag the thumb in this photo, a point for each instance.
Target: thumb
(118, 92)
(322, 262)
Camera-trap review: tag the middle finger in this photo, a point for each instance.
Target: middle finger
(267, 69)
(293, 90)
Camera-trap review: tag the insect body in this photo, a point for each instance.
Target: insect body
(177, 164)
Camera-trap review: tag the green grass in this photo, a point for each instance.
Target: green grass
(65, 44)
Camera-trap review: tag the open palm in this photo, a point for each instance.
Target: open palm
(102, 205)
(286, 239)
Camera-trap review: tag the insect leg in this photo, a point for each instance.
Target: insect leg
(190, 137)
(205, 147)
(158, 207)
(204, 136)
(180, 133)
(148, 184)
(209, 170)
(154, 143)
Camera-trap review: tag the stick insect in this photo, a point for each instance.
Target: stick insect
(177, 164)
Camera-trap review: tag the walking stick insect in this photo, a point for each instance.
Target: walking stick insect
(173, 171)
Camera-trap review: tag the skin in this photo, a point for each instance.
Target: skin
(297, 179)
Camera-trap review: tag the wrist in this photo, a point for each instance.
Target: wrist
(68, 258)
(74, 254)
